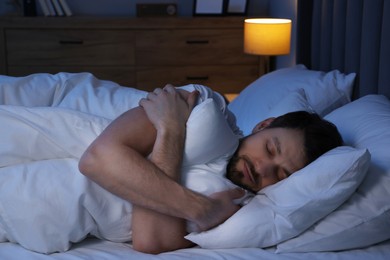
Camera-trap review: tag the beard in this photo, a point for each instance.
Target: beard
(236, 176)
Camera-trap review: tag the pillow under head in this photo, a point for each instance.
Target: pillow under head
(287, 208)
(364, 219)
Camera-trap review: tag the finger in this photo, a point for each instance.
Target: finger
(169, 88)
(150, 96)
(157, 91)
(142, 102)
(232, 194)
(236, 193)
(192, 99)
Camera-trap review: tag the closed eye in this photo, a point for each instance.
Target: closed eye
(273, 147)
(277, 145)
(269, 148)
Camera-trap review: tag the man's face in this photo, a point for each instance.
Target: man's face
(266, 157)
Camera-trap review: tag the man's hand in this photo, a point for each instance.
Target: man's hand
(222, 208)
(168, 108)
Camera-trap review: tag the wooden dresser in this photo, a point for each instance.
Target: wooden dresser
(137, 52)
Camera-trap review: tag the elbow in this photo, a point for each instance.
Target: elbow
(147, 248)
(89, 163)
(149, 245)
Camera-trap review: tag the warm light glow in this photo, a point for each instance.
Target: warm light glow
(263, 36)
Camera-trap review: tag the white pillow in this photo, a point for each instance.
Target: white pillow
(210, 142)
(296, 101)
(324, 91)
(208, 135)
(364, 219)
(284, 210)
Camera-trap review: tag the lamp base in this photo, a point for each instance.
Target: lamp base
(267, 64)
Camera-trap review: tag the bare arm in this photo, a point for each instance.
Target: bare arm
(154, 232)
(116, 160)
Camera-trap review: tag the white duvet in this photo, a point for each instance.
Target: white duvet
(47, 123)
(45, 202)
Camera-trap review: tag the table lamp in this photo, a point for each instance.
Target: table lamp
(267, 37)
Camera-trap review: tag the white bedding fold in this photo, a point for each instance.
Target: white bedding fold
(53, 216)
(45, 202)
(40, 133)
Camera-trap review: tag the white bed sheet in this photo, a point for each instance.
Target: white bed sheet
(98, 249)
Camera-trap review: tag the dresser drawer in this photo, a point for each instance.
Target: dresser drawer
(224, 79)
(69, 47)
(191, 47)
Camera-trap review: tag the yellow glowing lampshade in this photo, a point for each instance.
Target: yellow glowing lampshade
(265, 36)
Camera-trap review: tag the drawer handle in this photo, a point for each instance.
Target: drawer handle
(197, 78)
(70, 42)
(197, 41)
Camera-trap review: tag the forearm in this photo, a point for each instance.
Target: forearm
(154, 232)
(168, 150)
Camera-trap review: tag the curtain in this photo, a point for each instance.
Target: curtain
(348, 35)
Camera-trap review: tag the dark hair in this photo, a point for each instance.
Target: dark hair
(319, 134)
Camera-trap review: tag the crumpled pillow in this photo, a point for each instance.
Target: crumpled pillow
(287, 208)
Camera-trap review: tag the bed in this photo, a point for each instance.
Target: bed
(350, 86)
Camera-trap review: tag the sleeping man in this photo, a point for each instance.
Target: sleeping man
(161, 165)
(139, 158)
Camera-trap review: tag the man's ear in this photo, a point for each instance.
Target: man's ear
(263, 124)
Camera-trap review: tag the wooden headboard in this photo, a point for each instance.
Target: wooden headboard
(348, 35)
